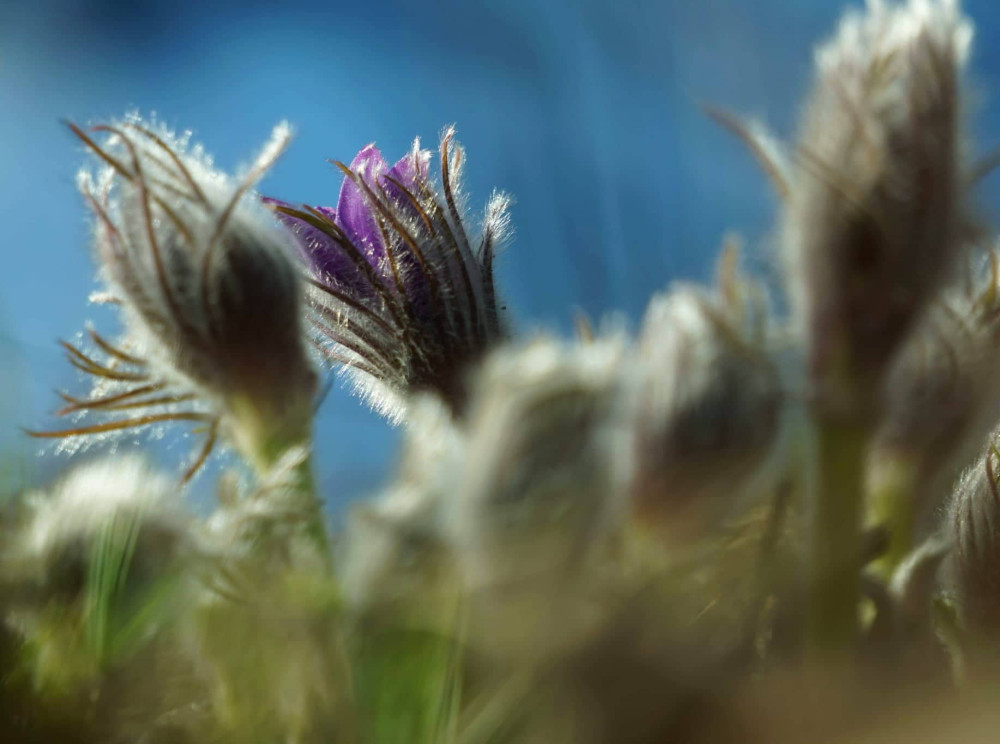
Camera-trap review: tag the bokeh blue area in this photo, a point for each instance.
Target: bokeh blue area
(587, 112)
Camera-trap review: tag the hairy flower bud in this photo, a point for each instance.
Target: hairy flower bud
(875, 216)
(940, 400)
(59, 539)
(974, 529)
(395, 556)
(99, 582)
(104, 561)
(706, 403)
(210, 297)
(400, 297)
(542, 490)
(543, 468)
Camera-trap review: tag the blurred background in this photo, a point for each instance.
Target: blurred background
(587, 112)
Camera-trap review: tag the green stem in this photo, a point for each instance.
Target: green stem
(892, 506)
(264, 440)
(303, 491)
(835, 537)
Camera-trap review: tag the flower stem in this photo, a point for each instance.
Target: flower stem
(313, 529)
(835, 537)
(892, 506)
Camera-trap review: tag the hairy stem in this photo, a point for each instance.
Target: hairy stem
(314, 526)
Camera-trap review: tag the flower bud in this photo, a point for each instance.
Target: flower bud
(399, 296)
(974, 529)
(940, 401)
(103, 567)
(542, 480)
(210, 298)
(58, 543)
(395, 556)
(875, 215)
(542, 491)
(706, 402)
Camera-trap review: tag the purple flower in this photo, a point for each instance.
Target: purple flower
(400, 296)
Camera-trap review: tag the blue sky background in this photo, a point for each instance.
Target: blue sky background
(587, 112)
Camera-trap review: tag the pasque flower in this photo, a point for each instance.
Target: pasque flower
(941, 399)
(974, 528)
(876, 210)
(208, 291)
(706, 400)
(541, 492)
(399, 294)
(59, 539)
(101, 566)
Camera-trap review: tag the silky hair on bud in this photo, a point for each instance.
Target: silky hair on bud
(208, 293)
(877, 212)
(541, 495)
(706, 402)
(974, 530)
(95, 493)
(400, 296)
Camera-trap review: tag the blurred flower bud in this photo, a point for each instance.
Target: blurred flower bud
(706, 402)
(209, 296)
(400, 297)
(395, 556)
(940, 401)
(58, 543)
(542, 489)
(974, 530)
(105, 565)
(876, 212)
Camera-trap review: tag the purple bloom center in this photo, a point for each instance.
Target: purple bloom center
(359, 220)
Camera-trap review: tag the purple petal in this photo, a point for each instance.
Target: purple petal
(326, 259)
(297, 227)
(408, 172)
(353, 211)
